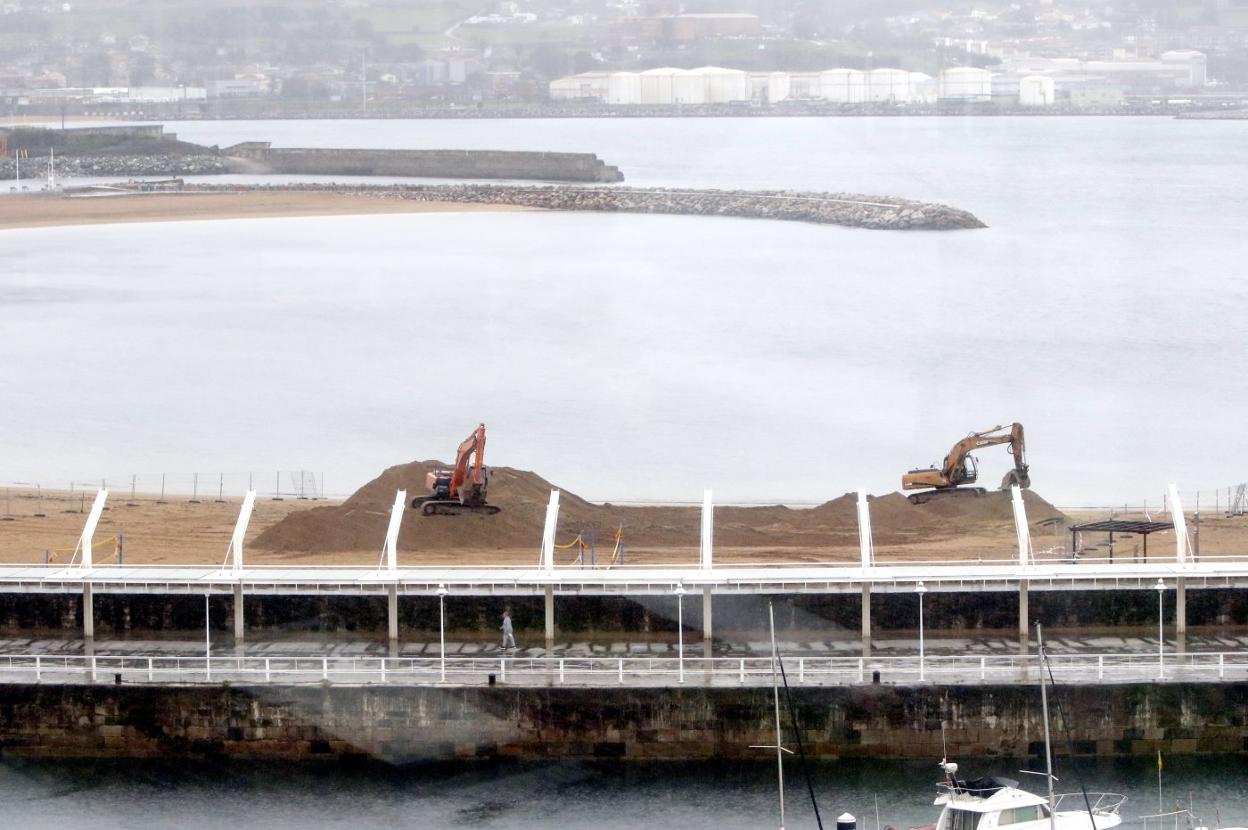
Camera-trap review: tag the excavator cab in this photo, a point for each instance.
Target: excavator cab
(971, 474)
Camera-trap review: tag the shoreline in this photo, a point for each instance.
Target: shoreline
(39, 210)
(191, 202)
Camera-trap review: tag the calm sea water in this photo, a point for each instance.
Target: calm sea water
(570, 795)
(648, 357)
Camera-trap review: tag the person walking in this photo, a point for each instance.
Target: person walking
(509, 637)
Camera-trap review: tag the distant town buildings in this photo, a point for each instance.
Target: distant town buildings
(1024, 81)
(377, 55)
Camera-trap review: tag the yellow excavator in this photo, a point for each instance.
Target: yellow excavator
(961, 468)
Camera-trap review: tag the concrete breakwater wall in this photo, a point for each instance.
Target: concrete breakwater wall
(848, 209)
(452, 164)
(404, 725)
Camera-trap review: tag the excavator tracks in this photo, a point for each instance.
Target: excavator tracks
(948, 493)
(454, 508)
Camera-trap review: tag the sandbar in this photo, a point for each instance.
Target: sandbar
(40, 210)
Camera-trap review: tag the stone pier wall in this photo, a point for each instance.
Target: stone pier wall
(406, 725)
(450, 164)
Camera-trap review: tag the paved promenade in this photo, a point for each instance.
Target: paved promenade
(965, 663)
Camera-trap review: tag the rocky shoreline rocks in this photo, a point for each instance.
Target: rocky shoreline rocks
(119, 165)
(847, 209)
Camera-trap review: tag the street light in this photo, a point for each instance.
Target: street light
(442, 628)
(921, 589)
(1161, 630)
(680, 631)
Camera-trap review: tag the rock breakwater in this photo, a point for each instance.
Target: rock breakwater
(847, 209)
(119, 165)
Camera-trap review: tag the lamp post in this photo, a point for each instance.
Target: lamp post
(442, 629)
(680, 632)
(921, 589)
(1161, 630)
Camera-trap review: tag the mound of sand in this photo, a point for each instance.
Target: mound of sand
(359, 523)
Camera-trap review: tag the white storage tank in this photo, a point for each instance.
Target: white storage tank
(922, 88)
(657, 85)
(689, 87)
(623, 88)
(722, 86)
(1195, 64)
(1037, 91)
(966, 83)
(843, 86)
(888, 86)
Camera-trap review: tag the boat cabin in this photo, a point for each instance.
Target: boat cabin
(989, 804)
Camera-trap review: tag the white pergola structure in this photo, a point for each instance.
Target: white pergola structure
(1022, 574)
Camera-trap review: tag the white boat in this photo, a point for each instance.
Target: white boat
(999, 803)
(992, 803)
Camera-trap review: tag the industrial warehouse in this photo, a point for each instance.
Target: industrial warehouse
(1026, 82)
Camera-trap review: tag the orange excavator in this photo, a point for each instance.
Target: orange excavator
(961, 468)
(461, 490)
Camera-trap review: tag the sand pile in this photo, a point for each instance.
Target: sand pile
(359, 523)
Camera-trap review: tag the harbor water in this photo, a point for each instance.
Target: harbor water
(205, 795)
(1101, 307)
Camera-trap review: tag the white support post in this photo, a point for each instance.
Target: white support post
(236, 548)
(88, 613)
(1024, 615)
(866, 546)
(708, 636)
(240, 529)
(88, 530)
(548, 532)
(1180, 526)
(392, 531)
(1021, 529)
(866, 619)
(550, 620)
(392, 616)
(708, 531)
(239, 622)
(1180, 614)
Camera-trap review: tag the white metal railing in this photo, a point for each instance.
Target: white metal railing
(622, 671)
(1102, 803)
(1056, 555)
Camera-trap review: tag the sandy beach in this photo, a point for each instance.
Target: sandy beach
(38, 210)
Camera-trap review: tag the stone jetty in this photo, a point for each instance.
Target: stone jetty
(848, 209)
(119, 165)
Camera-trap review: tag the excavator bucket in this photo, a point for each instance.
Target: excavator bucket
(1019, 477)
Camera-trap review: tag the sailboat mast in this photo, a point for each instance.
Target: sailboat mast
(775, 691)
(1048, 747)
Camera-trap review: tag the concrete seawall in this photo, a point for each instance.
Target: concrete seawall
(445, 164)
(848, 209)
(404, 725)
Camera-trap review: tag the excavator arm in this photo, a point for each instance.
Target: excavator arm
(469, 462)
(955, 466)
